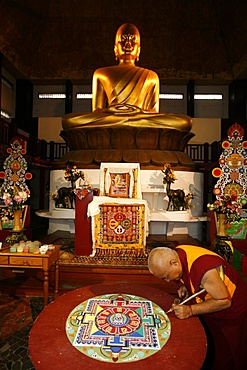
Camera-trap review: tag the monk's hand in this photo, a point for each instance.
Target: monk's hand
(182, 292)
(182, 311)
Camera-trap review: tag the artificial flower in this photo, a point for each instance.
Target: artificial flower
(229, 205)
(14, 196)
(169, 176)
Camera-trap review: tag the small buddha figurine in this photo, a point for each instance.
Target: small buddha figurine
(131, 92)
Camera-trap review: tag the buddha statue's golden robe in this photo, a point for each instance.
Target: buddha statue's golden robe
(131, 93)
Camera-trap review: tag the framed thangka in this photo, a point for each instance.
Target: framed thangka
(120, 180)
(119, 185)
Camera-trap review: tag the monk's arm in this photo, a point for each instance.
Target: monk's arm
(220, 297)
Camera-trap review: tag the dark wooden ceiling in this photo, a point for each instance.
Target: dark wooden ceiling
(203, 40)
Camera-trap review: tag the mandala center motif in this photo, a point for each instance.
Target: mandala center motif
(118, 321)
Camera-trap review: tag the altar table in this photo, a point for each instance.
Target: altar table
(50, 348)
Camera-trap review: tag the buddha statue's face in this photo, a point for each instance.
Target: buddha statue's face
(127, 43)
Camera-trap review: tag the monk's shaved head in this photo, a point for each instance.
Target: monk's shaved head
(160, 257)
(163, 261)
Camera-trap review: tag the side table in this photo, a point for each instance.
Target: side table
(33, 261)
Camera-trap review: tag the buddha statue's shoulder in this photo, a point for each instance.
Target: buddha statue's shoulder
(106, 73)
(149, 74)
(152, 74)
(123, 68)
(102, 70)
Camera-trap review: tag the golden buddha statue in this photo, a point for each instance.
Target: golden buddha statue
(131, 93)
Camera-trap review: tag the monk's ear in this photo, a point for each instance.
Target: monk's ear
(174, 262)
(115, 51)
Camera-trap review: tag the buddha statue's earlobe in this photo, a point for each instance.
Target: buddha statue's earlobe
(138, 54)
(115, 52)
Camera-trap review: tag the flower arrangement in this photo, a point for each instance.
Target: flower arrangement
(53, 195)
(14, 196)
(64, 196)
(187, 201)
(72, 174)
(228, 205)
(169, 176)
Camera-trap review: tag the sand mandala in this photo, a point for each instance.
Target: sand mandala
(118, 328)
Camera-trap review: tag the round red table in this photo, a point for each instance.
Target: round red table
(50, 348)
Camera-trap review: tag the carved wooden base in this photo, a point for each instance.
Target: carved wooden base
(151, 147)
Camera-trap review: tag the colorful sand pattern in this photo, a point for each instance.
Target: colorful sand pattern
(118, 328)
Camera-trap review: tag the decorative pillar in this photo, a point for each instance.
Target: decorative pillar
(69, 97)
(24, 108)
(190, 98)
(24, 99)
(237, 100)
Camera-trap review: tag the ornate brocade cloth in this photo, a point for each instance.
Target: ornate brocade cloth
(121, 223)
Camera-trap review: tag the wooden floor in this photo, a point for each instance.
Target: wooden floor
(29, 282)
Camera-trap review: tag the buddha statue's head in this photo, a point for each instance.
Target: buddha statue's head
(127, 43)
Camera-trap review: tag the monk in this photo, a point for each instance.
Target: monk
(131, 92)
(223, 304)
